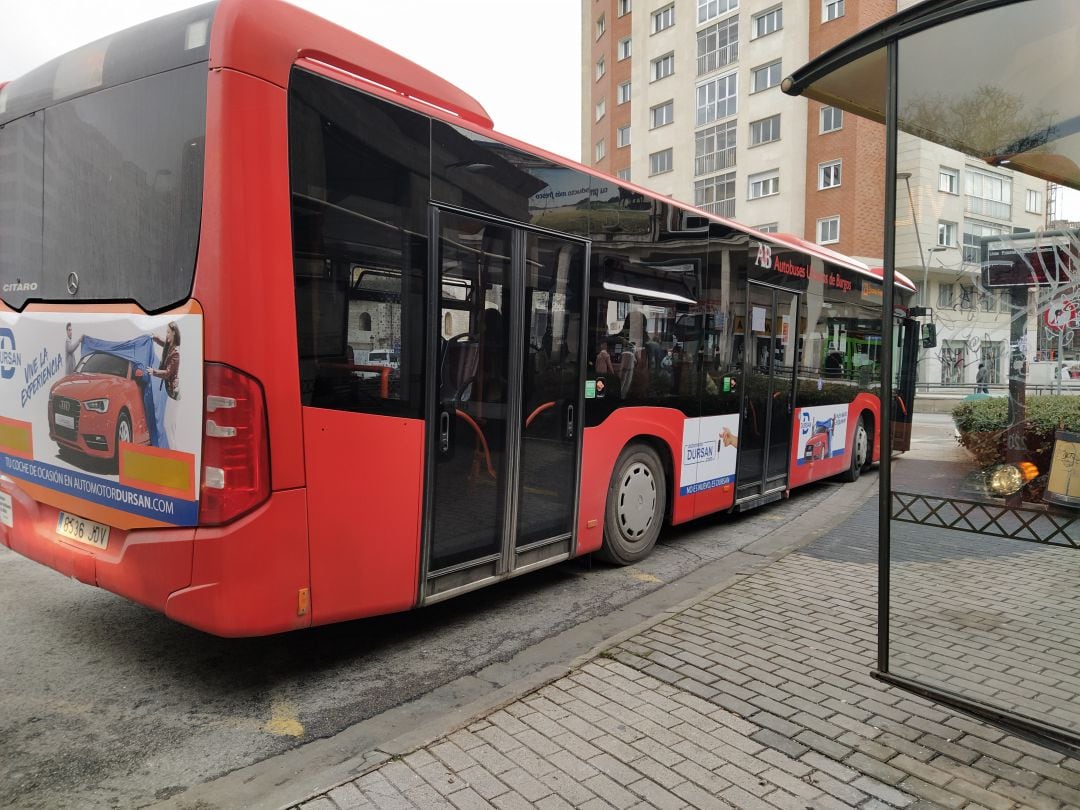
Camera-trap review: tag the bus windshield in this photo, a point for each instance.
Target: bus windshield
(106, 185)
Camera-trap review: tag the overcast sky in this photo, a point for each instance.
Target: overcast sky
(519, 58)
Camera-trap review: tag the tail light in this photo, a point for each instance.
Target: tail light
(236, 446)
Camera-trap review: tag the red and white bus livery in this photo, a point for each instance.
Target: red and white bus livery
(290, 335)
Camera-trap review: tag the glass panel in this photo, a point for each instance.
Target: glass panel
(360, 247)
(759, 342)
(470, 459)
(785, 344)
(984, 506)
(122, 193)
(554, 271)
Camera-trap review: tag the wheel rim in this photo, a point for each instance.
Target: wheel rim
(637, 501)
(124, 433)
(861, 446)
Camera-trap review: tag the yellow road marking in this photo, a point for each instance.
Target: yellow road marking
(284, 720)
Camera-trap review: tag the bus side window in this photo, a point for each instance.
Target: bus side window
(359, 174)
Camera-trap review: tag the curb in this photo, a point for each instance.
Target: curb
(320, 766)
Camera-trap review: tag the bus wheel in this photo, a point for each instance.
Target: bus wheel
(636, 499)
(860, 453)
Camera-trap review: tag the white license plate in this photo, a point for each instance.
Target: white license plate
(64, 421)
(83, 530)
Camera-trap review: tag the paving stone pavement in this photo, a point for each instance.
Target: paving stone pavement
(758, 696)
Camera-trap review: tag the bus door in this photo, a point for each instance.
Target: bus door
(769, 363)
(505, 401)
(905, 362)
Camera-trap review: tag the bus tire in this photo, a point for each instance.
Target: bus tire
(860, 453)
(636, 499)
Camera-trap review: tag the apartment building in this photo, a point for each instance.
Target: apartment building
(683, 97)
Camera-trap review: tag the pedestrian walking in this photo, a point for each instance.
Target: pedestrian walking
(982, 376)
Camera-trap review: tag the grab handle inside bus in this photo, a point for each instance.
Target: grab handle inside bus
(570, 421)
(444, 431)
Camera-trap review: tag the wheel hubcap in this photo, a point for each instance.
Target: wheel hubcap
(637, 501)
(861, 446)
(125, 432)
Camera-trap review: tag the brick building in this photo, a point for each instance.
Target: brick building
(683, 97)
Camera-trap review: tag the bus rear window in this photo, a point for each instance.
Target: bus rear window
(108, 187)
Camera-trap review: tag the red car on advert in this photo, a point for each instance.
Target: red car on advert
(97, 406)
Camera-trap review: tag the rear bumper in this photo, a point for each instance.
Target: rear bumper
(248, 578)
(145, 565)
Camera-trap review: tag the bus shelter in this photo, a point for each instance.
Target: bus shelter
(979, 579)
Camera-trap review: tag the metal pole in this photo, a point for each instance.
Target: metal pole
(1060, 366)
(885, 431)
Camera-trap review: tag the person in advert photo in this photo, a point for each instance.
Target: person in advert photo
(168, 372)
(71, 345)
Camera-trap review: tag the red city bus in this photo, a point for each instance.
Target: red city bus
(355, 352)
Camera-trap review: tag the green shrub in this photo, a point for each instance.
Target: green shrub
(982, 425)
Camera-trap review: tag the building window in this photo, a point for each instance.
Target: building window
(717, 45)
(946, 233)
(767, 21)
(601, 108)
(601, 26)
(662, 114)
(624, 48)
(974, 233)
(663, 18)
(949, 180)
(601, 69)
(828, 174)
(988, 194)
(716, 194)
(832, 119)
(766, 130)
(662, 66)
(660, 162)
(624, 92)
(716, 99)
(623, 174)
(714, 149)
(764, 184)
(601, 150)
(771, 227)
(831, 9)
(946, 294)
(622, 136)
(624, 7)
(711, 9)
(764, 77)
(1034, 202)
(828, 230)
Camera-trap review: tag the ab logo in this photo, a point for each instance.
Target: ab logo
(764, 256)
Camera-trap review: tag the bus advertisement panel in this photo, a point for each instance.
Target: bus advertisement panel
(710, 450)
(822, 432)
(101, 413)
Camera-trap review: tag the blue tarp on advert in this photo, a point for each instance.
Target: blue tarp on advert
(142, 353)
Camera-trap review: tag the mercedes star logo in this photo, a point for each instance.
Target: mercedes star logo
(73, 282)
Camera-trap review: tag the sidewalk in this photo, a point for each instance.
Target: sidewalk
(757, 695)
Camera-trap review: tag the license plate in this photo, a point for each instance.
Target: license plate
(85, 531)
(64, 421)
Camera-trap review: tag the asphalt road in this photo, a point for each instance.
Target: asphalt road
(105, 703)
